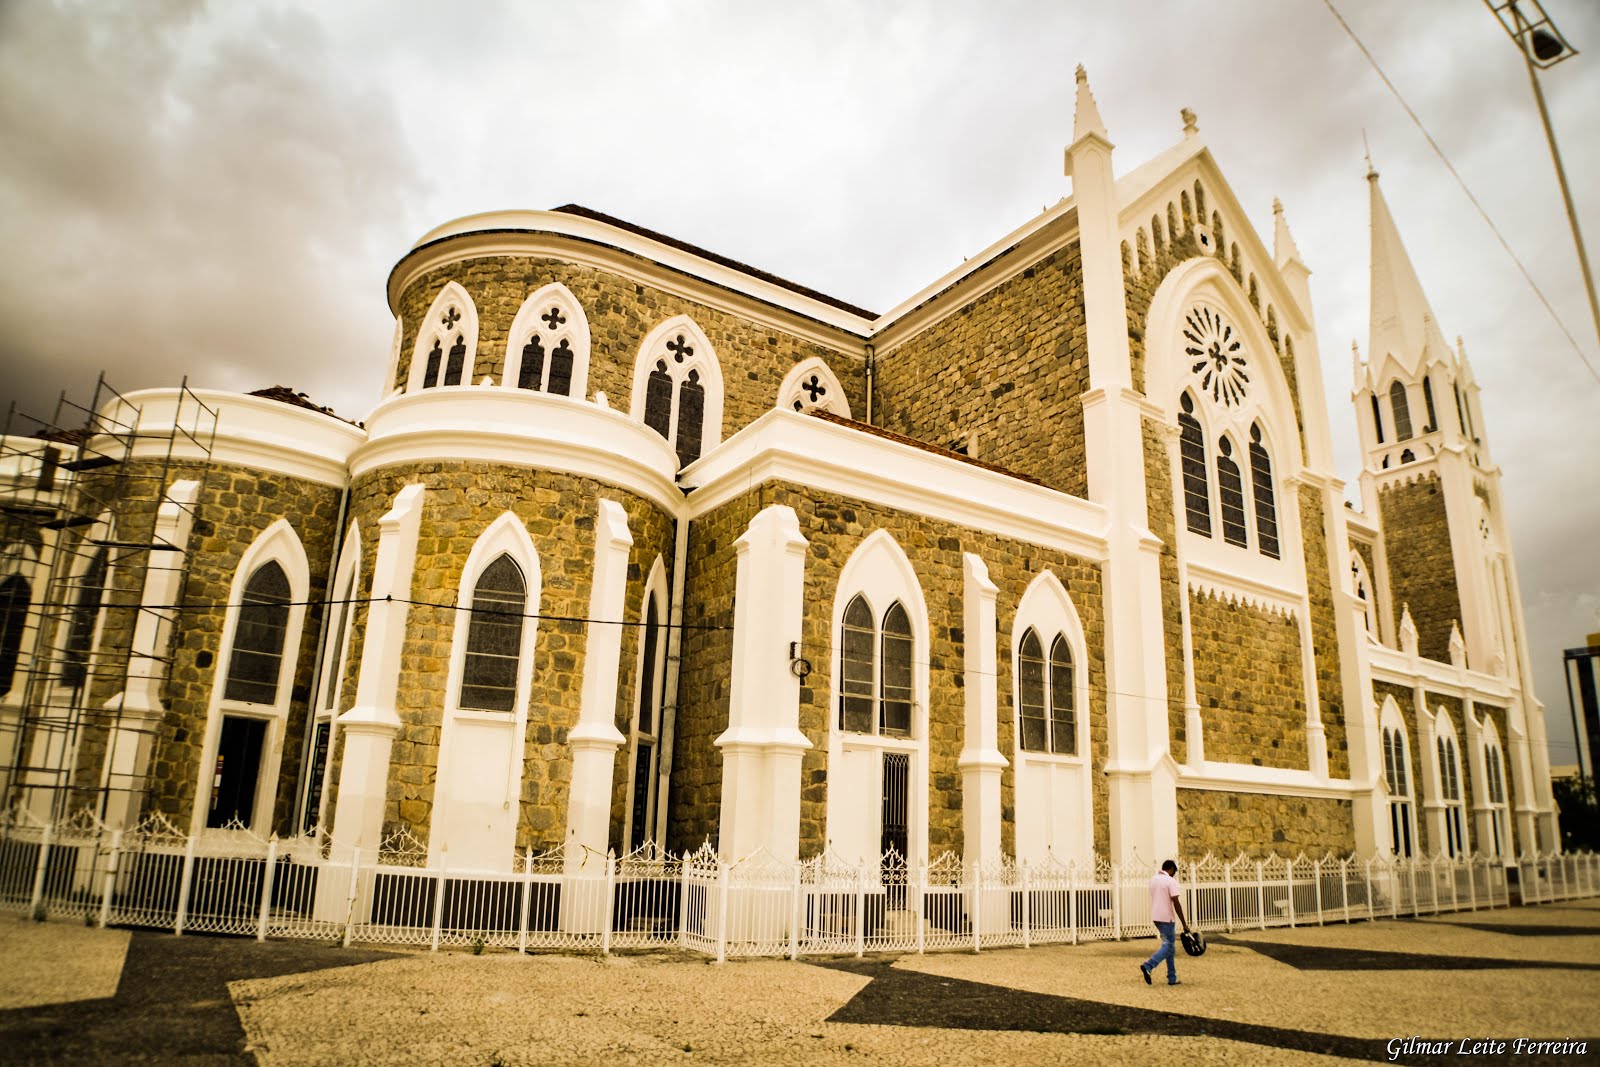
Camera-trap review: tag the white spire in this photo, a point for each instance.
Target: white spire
(1401, 323)
(1086, 115)
(1358, 368)
(1283, 247)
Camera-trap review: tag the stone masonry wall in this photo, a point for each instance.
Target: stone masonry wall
(835, 527)
(1421, 563)
(753, 357)
(1009, 369)
(1249, 683)
(558, 511)
(1224, 824)
(235, 506)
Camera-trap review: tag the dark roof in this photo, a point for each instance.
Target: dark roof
(283, 394)
(890, 435)
(684, 246)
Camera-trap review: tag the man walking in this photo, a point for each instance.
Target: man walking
(1164, 904)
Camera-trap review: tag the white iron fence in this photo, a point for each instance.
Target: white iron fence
(233, 882)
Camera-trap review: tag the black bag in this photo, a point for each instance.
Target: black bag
(1194, 942)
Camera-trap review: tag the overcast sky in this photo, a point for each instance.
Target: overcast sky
(219, 190)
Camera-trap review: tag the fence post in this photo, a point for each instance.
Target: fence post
(1316, 872)
(108, 883)
(1192, 890)
(1344, 887)
(350, 902)
(1227, 896)
(922, 908)
(266, 888)
(1455, 886)
(36, 901)
(683, 900)
(527, 899)
(1072, 900)
(977, 907)
(794, 913)
(722, 912)
(184, 882)
(1027, 909)
(1288, 877)
(1472, 880)
(861, 909)
(1116, 901)
(438, 900)
(610, 910)
(1261, 894)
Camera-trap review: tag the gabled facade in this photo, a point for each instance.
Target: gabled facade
(643, 545)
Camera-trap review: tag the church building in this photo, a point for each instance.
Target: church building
(642, 545)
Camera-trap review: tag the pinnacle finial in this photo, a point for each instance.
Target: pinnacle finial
(1283, 247)
(1189, 127)
(1086, 114)
(1083, 75)
(1277, 206)
(1366, 152)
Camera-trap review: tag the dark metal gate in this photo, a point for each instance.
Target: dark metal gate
(895, 840)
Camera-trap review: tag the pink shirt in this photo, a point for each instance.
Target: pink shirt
(1163, 891)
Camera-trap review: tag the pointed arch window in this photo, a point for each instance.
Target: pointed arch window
(14, 598)
(1395, 763)
(84, 620)
(1377, 418)
(1192, 462)
(677, 389)
(1402, 411)
(875, 670)
(1494, 772)
(547, 349)
(1450, 793)
(494, 638)
(446, 340)
(258, 638)
(1427, 401)
(1362, 588)
(1261, 483)
(645, 736)
(1230, 494)
(1045, 696)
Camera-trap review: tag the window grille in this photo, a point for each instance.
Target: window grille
(258, 638)
(1045, 696)
(530, 373)
(1230, 492)
(1063, 712)
(561, 358)
(658, 399)
(1261, 482)
(1402, 411)
(494, 638)
(1450, 787)
(1030, 693)
(435, 357)
(875, 670)
(1394, 765)
(1192, 462)
(691, 418)
(457, 361)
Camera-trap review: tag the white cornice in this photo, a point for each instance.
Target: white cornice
(590, 241)
(521, 428)
(785, 446)
(1230, 585)
(251, 431)
(1274, 781)
(1400, 668)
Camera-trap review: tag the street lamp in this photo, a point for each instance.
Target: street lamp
(1542, 47)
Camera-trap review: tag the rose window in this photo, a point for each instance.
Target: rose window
(1216, 352)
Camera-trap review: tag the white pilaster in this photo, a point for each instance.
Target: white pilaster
(371, 725)
(595, 739)
(981, 761)
(1143, 793)
(763, 746)
(139, 704)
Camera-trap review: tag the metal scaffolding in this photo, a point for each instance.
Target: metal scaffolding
(79, 500)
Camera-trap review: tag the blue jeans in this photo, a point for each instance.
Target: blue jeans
(1165, 952)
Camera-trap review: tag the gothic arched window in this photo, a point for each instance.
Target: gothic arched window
(84, 619)
(1397, 779)
(1230, 494)
(1427, 401)
(446, 340)
(1192, 461)
(1402, 411)
(14, 597)
(1046, 699)
(1450, 793)
(875, 670)
(691, 418)
(547, 349)
(258, 637)
(1377, 419)
(645, 735)
(494, 638)
(677, 388)
(1494, 772)
(1261, 483)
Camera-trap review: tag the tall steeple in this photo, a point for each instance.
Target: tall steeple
(1402, 325)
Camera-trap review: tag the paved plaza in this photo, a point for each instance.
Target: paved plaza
(70, 994)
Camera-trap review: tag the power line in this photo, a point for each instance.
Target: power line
(1576, 348)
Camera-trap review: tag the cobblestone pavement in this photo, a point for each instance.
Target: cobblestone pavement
(1303, 996)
